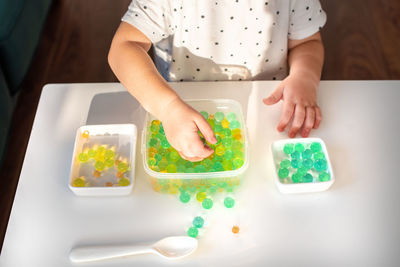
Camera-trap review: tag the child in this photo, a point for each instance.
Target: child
(203, 40)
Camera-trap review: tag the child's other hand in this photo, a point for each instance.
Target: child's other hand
(181, 125)
(299, 96)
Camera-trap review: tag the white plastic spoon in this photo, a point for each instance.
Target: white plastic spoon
(173, 247)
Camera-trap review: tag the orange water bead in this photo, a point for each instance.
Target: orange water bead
(235, 229)
(85, 134)
(120, 174)
(152, 151)
(96, 173)
(237, 136)
(156, 122)
(108, 184)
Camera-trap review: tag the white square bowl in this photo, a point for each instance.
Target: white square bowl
(122, 137)
(286, 185)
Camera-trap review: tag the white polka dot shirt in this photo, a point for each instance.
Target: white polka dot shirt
(203, 40)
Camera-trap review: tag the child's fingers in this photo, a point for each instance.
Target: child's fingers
(275, 96)
(287, 113)
(205, 129)
(194, 159)
(194, 148)
(309, 121)
(298, 120)
(318, 117)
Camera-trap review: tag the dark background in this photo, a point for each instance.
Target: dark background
(361, 38)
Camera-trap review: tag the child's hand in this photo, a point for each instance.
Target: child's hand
(299, 95)
(181, 125)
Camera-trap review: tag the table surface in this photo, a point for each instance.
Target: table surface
(354, 223)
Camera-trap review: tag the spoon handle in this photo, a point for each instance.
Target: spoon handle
(95, 253)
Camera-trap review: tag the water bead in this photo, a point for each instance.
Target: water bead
(296, 163)
(324, 176)
(79, 182)
(85, 134)
(320, 165)
(109, 184)
(229, 202)
(218, 166)
(207, 163)
(198, 222)
(307, 154)
(184, 197)
(226, 132)
(120, 174)
(154, 128)
(218, 128)
(173, 156)
(99, 165)
(302, 171)
(296, 178)
(122, 166)
(237, 136)
(219, 150)
(165, 143)
(308, 163)
(283, 173)
(193, 232)
(285, 163)
(219, 139)
(161, 131)
(155, 122)
(96, 173)
(109, 154)
(109, 163)
(200, 196)
(200, 168)
(171, 168)
(288, 148)
(315, 147)
(236, 145)
(124, 181)
(207, 203)
(307, 178)
(204, 114)
(227, 165)
(235, 229)
(234, 124)
(189, 170)
(228, 154)
(211, 123)
(154, 142)
(299, 147)
(101, 149)
(91, 153)
(238, 162)
(231, 116)
(319, 155)
(227, 142)
(295, 155)
(219, 116)
(225, 123)
(83, 157)
(151, 161)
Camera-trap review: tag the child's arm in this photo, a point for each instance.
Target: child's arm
(299, 90)
(132, 65)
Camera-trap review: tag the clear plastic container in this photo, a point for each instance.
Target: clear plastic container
(286, 185)
(107, 179)
(216, 181)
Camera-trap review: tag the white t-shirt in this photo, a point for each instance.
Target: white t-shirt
(204, 40)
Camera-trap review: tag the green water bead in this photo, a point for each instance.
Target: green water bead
(229, 202)
(165, 143)
(78, 182)
(285, 163)
(193, 232)
(238, 162)
(207, 163)
(211, 122)
(163, 164)
(83, 157)
(154, 142)
(161, 131)
(234, 124)
(307, 154)
(319, 155)
(91, 153)
(173, 156)
(207, 203)
(157, 157)
(171, 168)
(219, 116)
(295, 155)
(151, 161)
(315, 147)
(324, 176)
(184, 197)
(307, 178)
(218, 166)
(227, 142)
(200, 168)
(226, 132)
(320, 165)
(228, 154)
(109, 154)
(299, 147)
(99, 165)
(124, 181)
(154, 128)
(198, 222)
(288, 148)
(218, 128)
(296, 178)
(122, 167)
(308, 163)
(109, 162)
(237, 145)
(204, 114)
(283, 173)
(227, 165)
(295, 163)
(231, 116)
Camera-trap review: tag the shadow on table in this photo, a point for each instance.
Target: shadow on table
(115, 108)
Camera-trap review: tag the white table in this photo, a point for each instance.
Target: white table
(355, 223)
